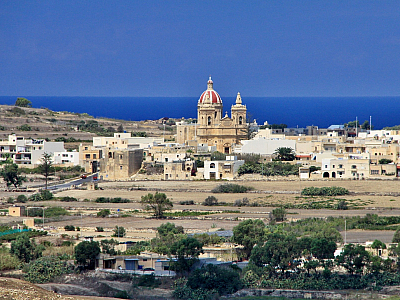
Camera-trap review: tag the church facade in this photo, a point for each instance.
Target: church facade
(212, 128)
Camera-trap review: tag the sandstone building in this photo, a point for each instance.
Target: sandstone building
(212, 128)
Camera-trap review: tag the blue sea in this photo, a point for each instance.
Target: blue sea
(293, 111)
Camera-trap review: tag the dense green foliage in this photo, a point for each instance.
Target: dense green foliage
(186, 250)
(249, 233)
(8, 261)
(223, 280)
(325, 191)
(111, 200)
(46, 269)
(119, 231)
(279, 214)
(11, 175)
(26, 249)
(285, 154)
(23, 102)
(275, 168)
(103, 213)
(232, 188)
(86, 252)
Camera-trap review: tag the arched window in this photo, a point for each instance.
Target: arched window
(212, 165)
(209, 121)
(215, 115)
(240, 120)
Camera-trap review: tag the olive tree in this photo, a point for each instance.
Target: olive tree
(157, 203)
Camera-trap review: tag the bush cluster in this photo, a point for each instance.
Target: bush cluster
(232, 188)
(276, 168)
(325, 191)
(46, 268)
(187, 202)
(111, 200)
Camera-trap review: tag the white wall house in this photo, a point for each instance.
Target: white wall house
(266, 146)
(28, 151)
(66, 158)
(222, 169)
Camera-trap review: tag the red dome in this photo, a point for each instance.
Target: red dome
(215, 98)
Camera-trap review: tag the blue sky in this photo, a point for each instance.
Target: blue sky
(169, 48)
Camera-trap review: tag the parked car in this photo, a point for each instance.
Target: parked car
(83, 176)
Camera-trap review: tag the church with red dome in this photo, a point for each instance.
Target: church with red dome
(212, 128)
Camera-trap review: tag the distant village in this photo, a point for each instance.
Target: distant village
(336, 152)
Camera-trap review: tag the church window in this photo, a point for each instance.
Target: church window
(212, 165)
(240, 120)
(209, 121)
(215, 115)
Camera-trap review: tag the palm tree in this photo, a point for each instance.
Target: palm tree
(285, 154)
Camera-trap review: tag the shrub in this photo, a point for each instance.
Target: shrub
(99, 229)
(69, 228)
(325, 191)
(103, 213)
(22, 198)
(111, 200)
(242, 202)
(187, 202)
(385, 161)
(35, 197)
(46, 195)
(7, 260)
(342, 205)
(24, 127)
(210, 201)
(224, 281)
(45, 269)
(232, 188)
(68, 199)
(149, 281)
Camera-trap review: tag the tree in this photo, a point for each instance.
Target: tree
(169, 228)
(396, 236)
(322, 248)
(158, 203)
(11, 175)
(25, 249)
(168, 234)
(279, 214)
(187, 251)
(378, 245)
(223, 280)
(23, 102)
(46, 268)
(285, 154)
(120, 128)
(108, 246)
(103, 213)
(86, 253)
(210, 201)
(277, 253)
(119, 231)
(353, 258)
(249, 233)
(46, 166)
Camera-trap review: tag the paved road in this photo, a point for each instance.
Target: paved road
(74, 182)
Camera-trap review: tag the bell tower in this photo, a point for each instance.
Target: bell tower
(238, 112)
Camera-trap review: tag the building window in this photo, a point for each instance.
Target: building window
(340, 166)
(354, 167)
(240, 120)
(212, 165)
(94, 156)
(87, 156)
(209, 121)
(333, 166)
(120, 167)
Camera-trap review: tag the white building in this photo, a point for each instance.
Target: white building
(28, 151)
(66, 158)
(222, 169)
(266, 146)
